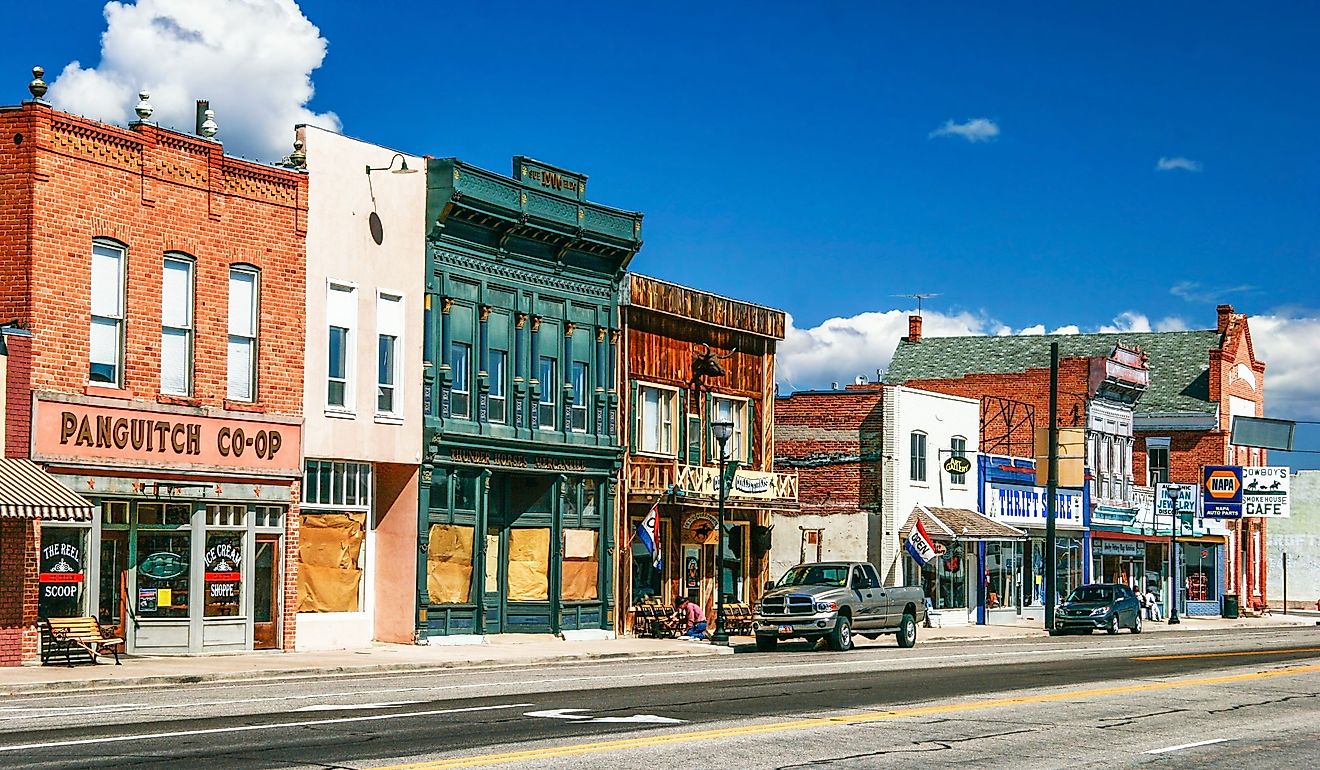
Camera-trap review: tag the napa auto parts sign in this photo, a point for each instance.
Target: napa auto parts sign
(1265, 493)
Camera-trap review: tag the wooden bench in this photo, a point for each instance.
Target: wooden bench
(68, 635)
(737, 619)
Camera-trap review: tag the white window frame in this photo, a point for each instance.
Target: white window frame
(736, 447)
(913, 464)
(579, 406)
(462, 385)
(499, 386)
(341, 311)
(666, 441)
(1151, 478)
(184, 327)
(252, 339)
(390, 314)
(548, 398)
(103, 314)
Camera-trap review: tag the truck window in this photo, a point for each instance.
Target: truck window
(871, 575)
(859, 579)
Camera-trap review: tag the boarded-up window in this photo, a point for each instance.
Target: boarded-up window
(581, 565)
(329, 573)
(449, 564)
(529, 565)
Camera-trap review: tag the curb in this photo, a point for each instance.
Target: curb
(127, 683)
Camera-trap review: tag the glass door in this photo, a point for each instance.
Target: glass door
(492, 599)
(266, 593)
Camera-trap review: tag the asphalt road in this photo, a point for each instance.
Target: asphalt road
(1062, 702)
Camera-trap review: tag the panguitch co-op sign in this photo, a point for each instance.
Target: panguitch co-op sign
(114, 435)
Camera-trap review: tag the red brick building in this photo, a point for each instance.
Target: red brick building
(1198, 380)
(162, 285)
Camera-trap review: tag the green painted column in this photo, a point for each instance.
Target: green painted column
(423, 539)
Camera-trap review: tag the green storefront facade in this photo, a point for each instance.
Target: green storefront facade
(521, 460)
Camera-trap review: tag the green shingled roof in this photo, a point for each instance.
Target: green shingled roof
(1179, 362)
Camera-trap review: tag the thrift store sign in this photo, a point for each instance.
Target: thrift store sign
(1020, 505)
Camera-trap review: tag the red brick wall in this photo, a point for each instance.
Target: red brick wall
(18, 591)
(155, 191)
(18, 396)
(833, 441)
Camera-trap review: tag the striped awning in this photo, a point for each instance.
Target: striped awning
(28, 492)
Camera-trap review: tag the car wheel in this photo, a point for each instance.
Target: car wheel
(907, 631)
(1136, 624)
(1112, 628)
(766, 643)
(840, 639)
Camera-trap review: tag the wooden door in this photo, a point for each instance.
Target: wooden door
(266, 585)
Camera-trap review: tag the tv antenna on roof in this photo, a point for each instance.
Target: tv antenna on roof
(917, 297)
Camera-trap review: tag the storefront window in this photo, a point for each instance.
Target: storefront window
(1199, 571)
(162, 574)
(62, 576)
(1001, 564)
(944, 578)
(646, 579)
(734, 583)
(222, 562)
(581, 566)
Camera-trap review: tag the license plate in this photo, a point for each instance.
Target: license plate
(785, 629)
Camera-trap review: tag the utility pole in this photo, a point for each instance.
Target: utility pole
(1052, 489)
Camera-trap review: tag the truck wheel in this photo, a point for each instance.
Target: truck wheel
(766, 643)
(907, 631)
(840, 639)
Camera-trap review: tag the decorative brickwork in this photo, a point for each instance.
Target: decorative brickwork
(18, 591)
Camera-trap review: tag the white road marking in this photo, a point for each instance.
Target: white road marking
(1168, 749)
(580, 718)
(347, 706)
(251, 728)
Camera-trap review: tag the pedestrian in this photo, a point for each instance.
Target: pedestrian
(693, 619)
(1152, 604)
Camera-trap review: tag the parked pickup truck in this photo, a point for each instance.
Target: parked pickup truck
(833, 601)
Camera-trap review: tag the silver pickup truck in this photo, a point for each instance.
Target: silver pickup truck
(833, 601)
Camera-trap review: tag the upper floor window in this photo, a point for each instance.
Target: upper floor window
(655, 420)
(733, 410)
(1157, 464)
(389, 330)
(341, 321)
(547, 372)
(958, 448)
(580, 397)
(498, 409)
(176, 326)
(106, 356)
(917, 457)
(241, 375)
(460, 365)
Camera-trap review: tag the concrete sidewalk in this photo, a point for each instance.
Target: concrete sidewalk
(496, 651)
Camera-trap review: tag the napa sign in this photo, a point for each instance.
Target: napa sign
(1020, 505)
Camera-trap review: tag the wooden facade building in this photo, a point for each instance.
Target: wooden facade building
(692, 357)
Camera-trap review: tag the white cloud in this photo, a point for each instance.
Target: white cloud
(1292, 365)
(1178, 163)
(252, 59)
(973, 130)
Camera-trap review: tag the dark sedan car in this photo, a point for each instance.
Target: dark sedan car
(1108, 606)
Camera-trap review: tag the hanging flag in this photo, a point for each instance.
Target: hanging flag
(919, 544)
(649, 533)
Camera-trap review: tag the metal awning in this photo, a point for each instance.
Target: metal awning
(28, 492)
(959, 524)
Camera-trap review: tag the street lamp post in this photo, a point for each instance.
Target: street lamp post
(721, 430)
(1173, 561)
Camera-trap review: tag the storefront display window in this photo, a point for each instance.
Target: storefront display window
(529, 565)
(734, 584)
(646, 579)
(581, 567)
(329, 561)
(222, 562)
(62, 576)
(162, 574)
(944, 578)
(449, 564)
(1199, 571)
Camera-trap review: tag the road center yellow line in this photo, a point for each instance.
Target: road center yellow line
(598, 747)
(1191, 655)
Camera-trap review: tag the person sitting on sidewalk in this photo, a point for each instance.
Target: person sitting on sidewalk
(692, 619)
(1152, 605)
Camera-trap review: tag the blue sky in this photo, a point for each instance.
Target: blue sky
(789, 153)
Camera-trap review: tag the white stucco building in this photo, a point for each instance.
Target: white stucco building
(363, 396)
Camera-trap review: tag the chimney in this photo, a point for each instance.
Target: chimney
(834, 386)
(1225, 315)
(861, 380)
(914, 328)
(202, 106)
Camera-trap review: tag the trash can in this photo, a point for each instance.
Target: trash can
(1231, 608)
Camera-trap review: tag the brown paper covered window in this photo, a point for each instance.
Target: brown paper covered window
(449, 564)
(581, 565)
(529, 565)
(329, 548)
